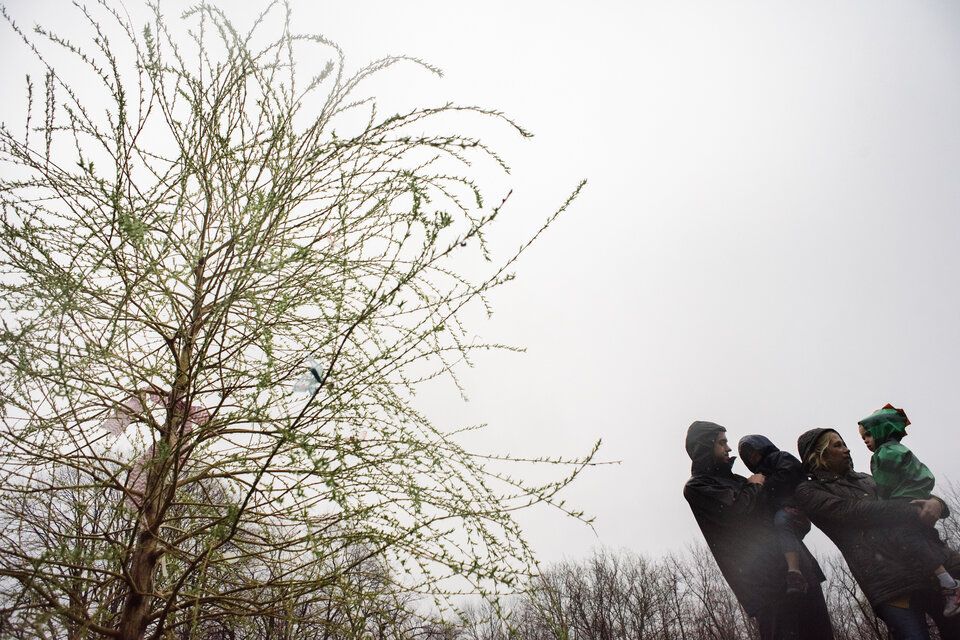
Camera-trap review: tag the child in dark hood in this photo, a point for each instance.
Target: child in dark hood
(900, 475)
(783, 473)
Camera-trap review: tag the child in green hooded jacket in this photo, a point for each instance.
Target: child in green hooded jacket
(899, 475)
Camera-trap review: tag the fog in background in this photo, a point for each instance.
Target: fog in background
(768, 238)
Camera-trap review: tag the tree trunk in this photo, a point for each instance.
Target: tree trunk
(133, 618)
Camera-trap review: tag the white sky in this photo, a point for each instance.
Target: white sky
(768, 239)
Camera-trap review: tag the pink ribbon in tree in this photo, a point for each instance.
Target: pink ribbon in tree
(129, 410)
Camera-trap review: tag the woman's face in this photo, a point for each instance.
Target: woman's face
(836, 457)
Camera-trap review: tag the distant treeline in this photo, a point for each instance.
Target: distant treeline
(609, 596)
(620, 596)
(612, 595)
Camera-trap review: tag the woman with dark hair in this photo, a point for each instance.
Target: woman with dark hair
(845, 506)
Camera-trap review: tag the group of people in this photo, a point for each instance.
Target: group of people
(882, 524)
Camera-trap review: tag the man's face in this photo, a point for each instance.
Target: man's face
(721, 450)
(836, 457)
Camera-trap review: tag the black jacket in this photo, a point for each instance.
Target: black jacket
(847, 509)
(737, 526)
(782, 470)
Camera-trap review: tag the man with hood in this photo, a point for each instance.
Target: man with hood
(737, 525)
(845, 505)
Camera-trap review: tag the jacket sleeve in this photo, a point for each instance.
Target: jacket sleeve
(946, 508)
(822, 506)
(718, 502)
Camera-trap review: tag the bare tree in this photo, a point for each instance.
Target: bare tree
(950, 527)
(851, 614)
(621, 595)
(680, 596)
(221, 285)
(717, 613)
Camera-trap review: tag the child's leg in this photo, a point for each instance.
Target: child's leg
(951, 592)
(789, 532)
(789, 536)
(912, 541)
(946, 580)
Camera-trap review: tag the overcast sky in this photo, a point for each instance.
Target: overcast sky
(768, 239)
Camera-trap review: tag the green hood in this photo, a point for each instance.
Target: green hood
(886, 424)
